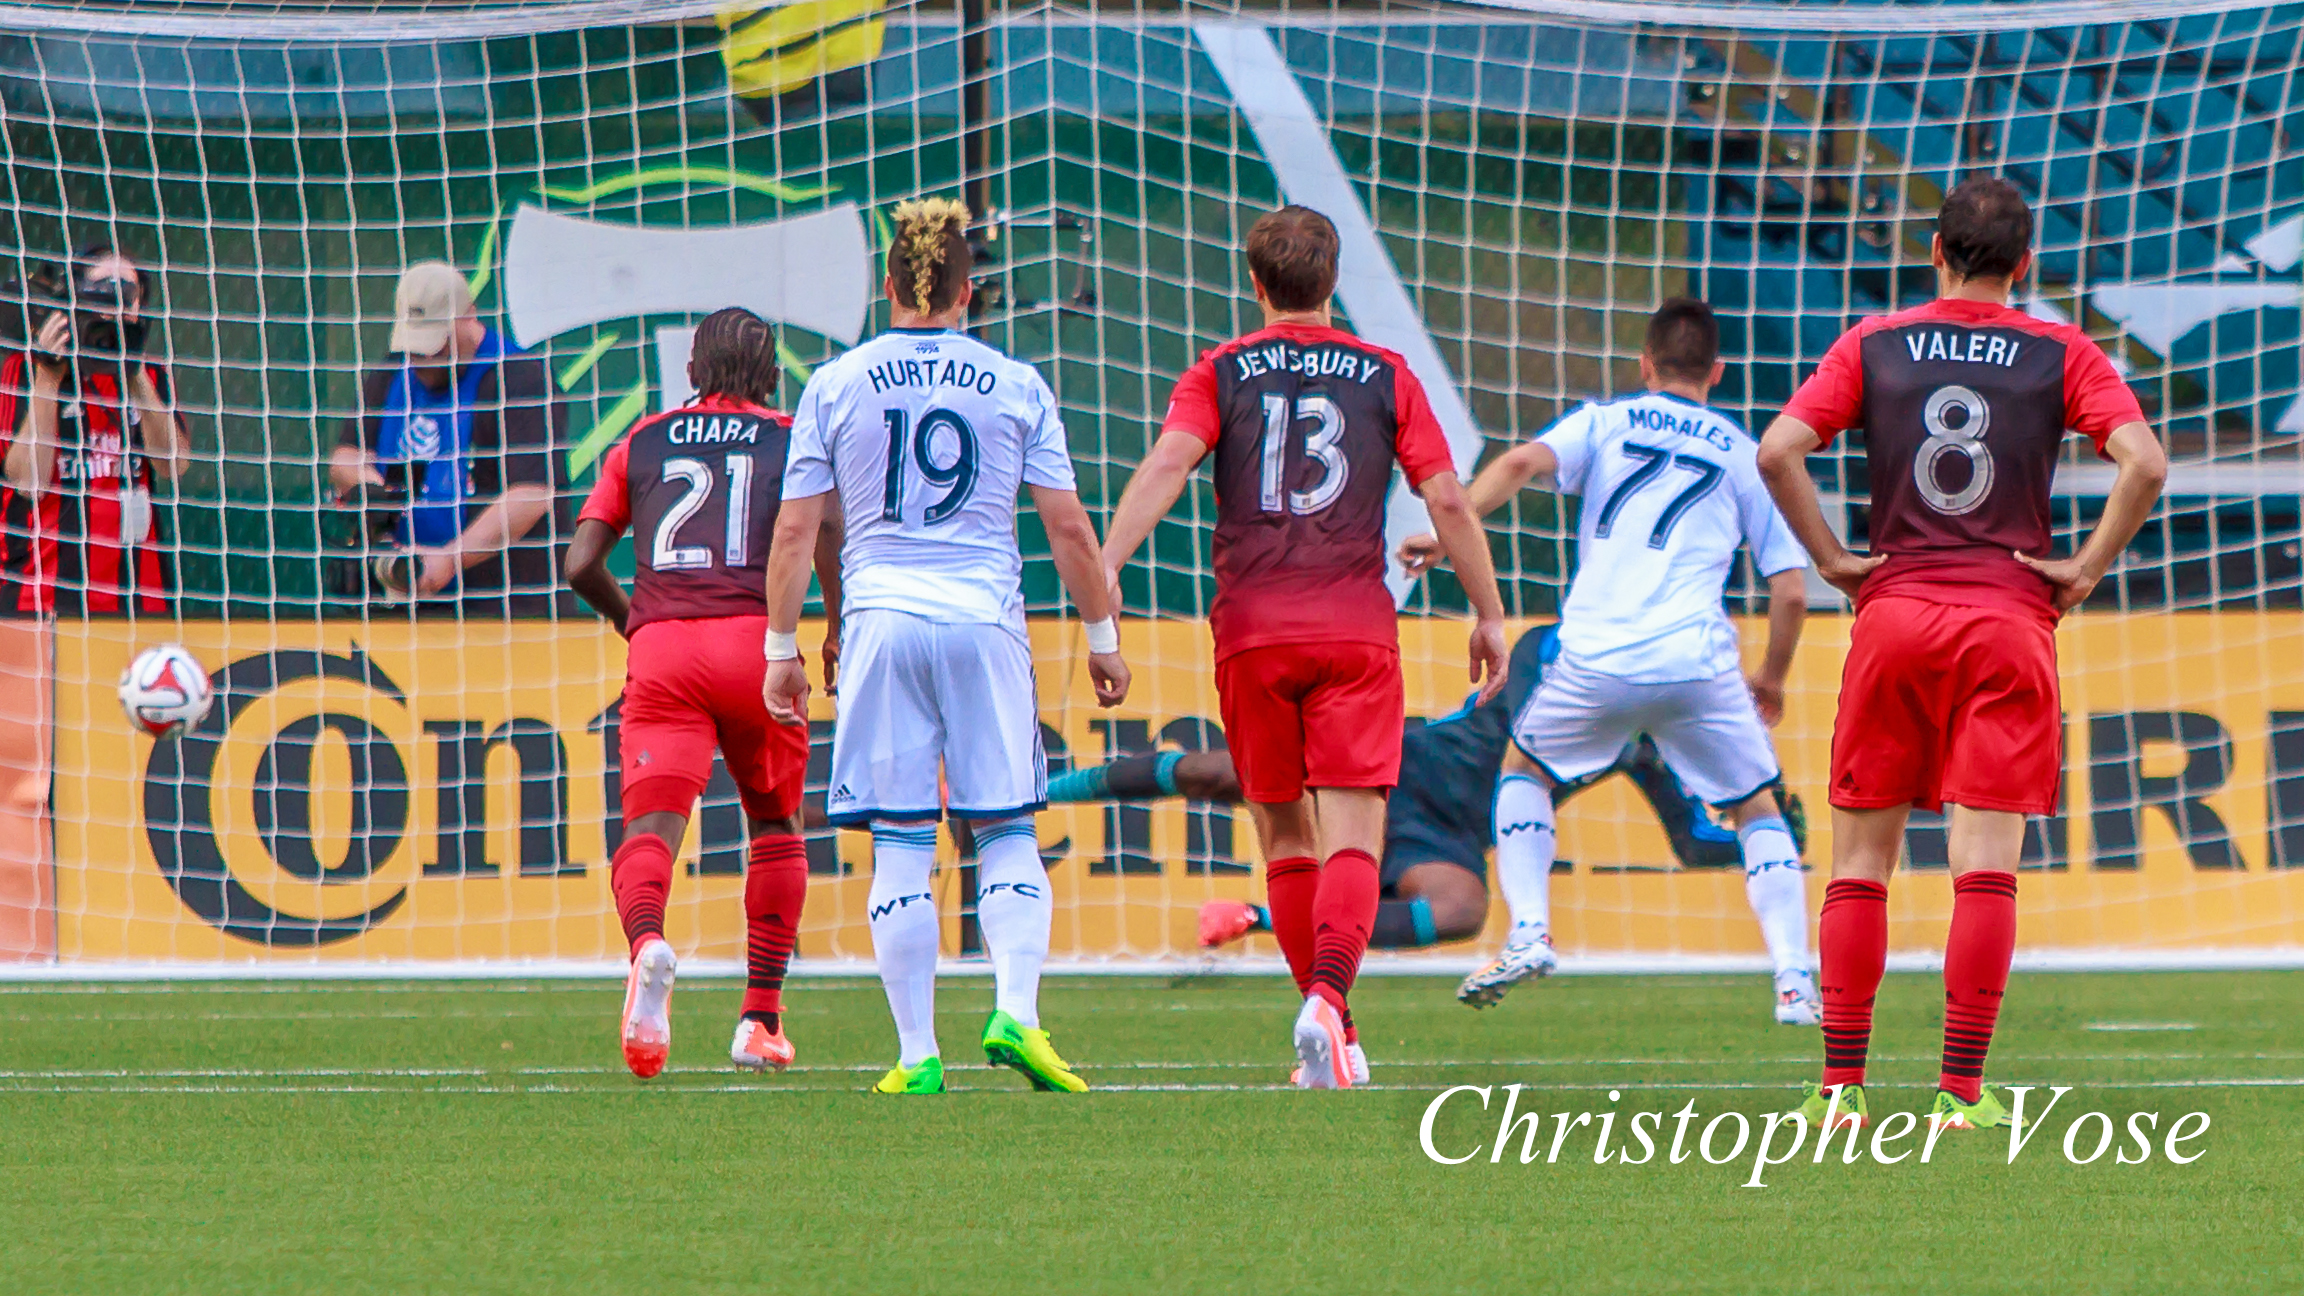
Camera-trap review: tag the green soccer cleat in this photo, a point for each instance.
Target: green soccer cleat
(1817, 1100)
(1008, 1044)
(1984, 1113)
(926, 1078)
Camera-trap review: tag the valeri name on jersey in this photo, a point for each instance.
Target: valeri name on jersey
(1967, 345)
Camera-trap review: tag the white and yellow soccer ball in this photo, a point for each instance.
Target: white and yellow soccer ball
(165, 691)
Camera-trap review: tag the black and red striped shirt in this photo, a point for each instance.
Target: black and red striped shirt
(62, 548)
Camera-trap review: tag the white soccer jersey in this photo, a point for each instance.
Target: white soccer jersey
(1670, 488)
(928, 435)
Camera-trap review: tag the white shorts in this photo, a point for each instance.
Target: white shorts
(1577, 721)
(919, 698)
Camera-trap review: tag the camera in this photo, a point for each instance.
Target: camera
(27, 304)
(360, 557)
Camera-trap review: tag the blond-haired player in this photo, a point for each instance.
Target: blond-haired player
(926, 435)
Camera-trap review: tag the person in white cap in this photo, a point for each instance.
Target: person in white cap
(465, 424)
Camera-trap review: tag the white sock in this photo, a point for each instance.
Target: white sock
(1525, 844)
(1779, 896)
(905, 932)
(1014, 909)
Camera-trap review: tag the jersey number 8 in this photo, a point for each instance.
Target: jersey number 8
(1325, 443)
(957, 478)
(1967, 439)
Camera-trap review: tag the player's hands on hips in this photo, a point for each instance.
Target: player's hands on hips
(1110, 675)
(1767, 698)
(1846, 571)
(2071, 577)
(1489, 658)
(785, 690)
(1420, 554)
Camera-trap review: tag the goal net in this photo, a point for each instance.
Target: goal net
(387, 787)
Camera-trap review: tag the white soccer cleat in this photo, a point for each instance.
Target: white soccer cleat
(756, 1048)
(1352, 1051)
(1520, 960)
(1323, 1058)
(648, 1008)
(1797, 1003)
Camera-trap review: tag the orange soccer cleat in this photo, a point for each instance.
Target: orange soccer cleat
(1225, 921)
(757, 1048)
(648, 1007)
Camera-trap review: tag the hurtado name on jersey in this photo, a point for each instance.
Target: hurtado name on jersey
(889, 375)
(1311, 361)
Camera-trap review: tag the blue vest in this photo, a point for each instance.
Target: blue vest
(431, 432)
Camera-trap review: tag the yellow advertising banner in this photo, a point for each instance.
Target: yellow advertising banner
(422, 791)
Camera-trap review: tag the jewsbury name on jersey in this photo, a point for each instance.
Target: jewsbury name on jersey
(1655, 418)
(932, 373)
(1316, 362)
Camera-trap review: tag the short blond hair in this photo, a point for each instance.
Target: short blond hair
(930, 252)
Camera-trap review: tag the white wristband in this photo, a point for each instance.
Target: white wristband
(783, 647)
(1104, 635)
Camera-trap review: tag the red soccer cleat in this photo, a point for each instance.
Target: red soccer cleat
(756, 1048)
(648, 1008)
(1225, 921)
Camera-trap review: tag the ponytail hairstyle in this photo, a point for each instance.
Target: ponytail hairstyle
(930, 257)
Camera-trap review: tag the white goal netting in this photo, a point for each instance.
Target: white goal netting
(1517, 185)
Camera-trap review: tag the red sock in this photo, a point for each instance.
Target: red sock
(640, 878)
(1976, 955)
(1290, 885)
(1852, 951)
(775, 886)
(1342, 916)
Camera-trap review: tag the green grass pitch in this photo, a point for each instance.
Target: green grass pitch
(483, 1138)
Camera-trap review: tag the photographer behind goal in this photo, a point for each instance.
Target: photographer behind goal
(89, 422)
(456, 445)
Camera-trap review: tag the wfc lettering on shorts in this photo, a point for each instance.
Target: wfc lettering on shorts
(898, 902)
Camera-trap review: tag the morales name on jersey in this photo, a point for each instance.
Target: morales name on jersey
(1670, 489)
(1306, 423)
(698, 487)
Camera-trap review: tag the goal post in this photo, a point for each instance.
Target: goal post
(393, 791)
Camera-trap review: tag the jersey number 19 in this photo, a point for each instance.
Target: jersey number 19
(957, 478)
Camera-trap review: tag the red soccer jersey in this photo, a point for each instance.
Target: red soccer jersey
(1306, 423)
(699, 487)
(1963, 404)
(67, 548)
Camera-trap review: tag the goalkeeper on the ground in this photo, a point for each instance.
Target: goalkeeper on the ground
(1439, 825)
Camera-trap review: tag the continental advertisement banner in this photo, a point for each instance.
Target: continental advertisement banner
(419, 792)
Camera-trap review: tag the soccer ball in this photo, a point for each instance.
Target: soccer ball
(164, 691)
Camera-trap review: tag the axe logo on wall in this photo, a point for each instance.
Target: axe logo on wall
(567, 268)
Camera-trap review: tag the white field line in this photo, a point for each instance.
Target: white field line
(420, 1073)
(1723, 1086)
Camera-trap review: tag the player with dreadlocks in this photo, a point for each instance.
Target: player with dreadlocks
(922, 437)
(698, 488)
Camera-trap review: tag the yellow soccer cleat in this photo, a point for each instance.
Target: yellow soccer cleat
(1027, 1050)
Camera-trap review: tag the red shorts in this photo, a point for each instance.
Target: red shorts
(1941, 703)
(1312, 715)
(693, 685)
